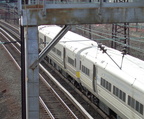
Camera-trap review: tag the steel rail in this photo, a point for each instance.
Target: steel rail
(77, 104)
(11, 44)
(41, 101)
(59, 98)
(45, 107)
(11, 31)
(18, 66)
(10, 36)
(9, 24)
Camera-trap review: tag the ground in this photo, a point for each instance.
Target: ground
(10, 91)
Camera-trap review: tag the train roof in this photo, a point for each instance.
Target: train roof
(131, 71)
(52, 30)
(71, 40)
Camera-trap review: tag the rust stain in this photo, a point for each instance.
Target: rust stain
(32, 6)
(82, 16)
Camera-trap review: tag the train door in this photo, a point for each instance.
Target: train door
(94, 81)
(64, 58)
(44, 42)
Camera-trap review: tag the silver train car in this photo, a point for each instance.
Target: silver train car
(117, 87)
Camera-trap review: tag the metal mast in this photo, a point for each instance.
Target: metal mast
(120, 34)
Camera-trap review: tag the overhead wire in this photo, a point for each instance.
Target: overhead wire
(118, 37)
(93, 33)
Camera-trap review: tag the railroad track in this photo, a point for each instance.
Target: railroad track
(44, 89)
(64, 106)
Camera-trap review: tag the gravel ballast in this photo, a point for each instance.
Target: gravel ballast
(10, 90)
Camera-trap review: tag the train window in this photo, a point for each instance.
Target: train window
(75, 62)
(58, 52)
(132, 102)
(44, 38)
(109, 87)
(135, 105)
(141, 109)
(85, 70)
(119, 93)
(106, 84)
(124, 97)
(71, 61)
(129, 100)
(54, 49)
(114, 90)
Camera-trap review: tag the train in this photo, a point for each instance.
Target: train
(113, 80)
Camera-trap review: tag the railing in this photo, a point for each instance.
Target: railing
(75, 1)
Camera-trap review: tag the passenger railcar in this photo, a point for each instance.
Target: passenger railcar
(118, 89)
